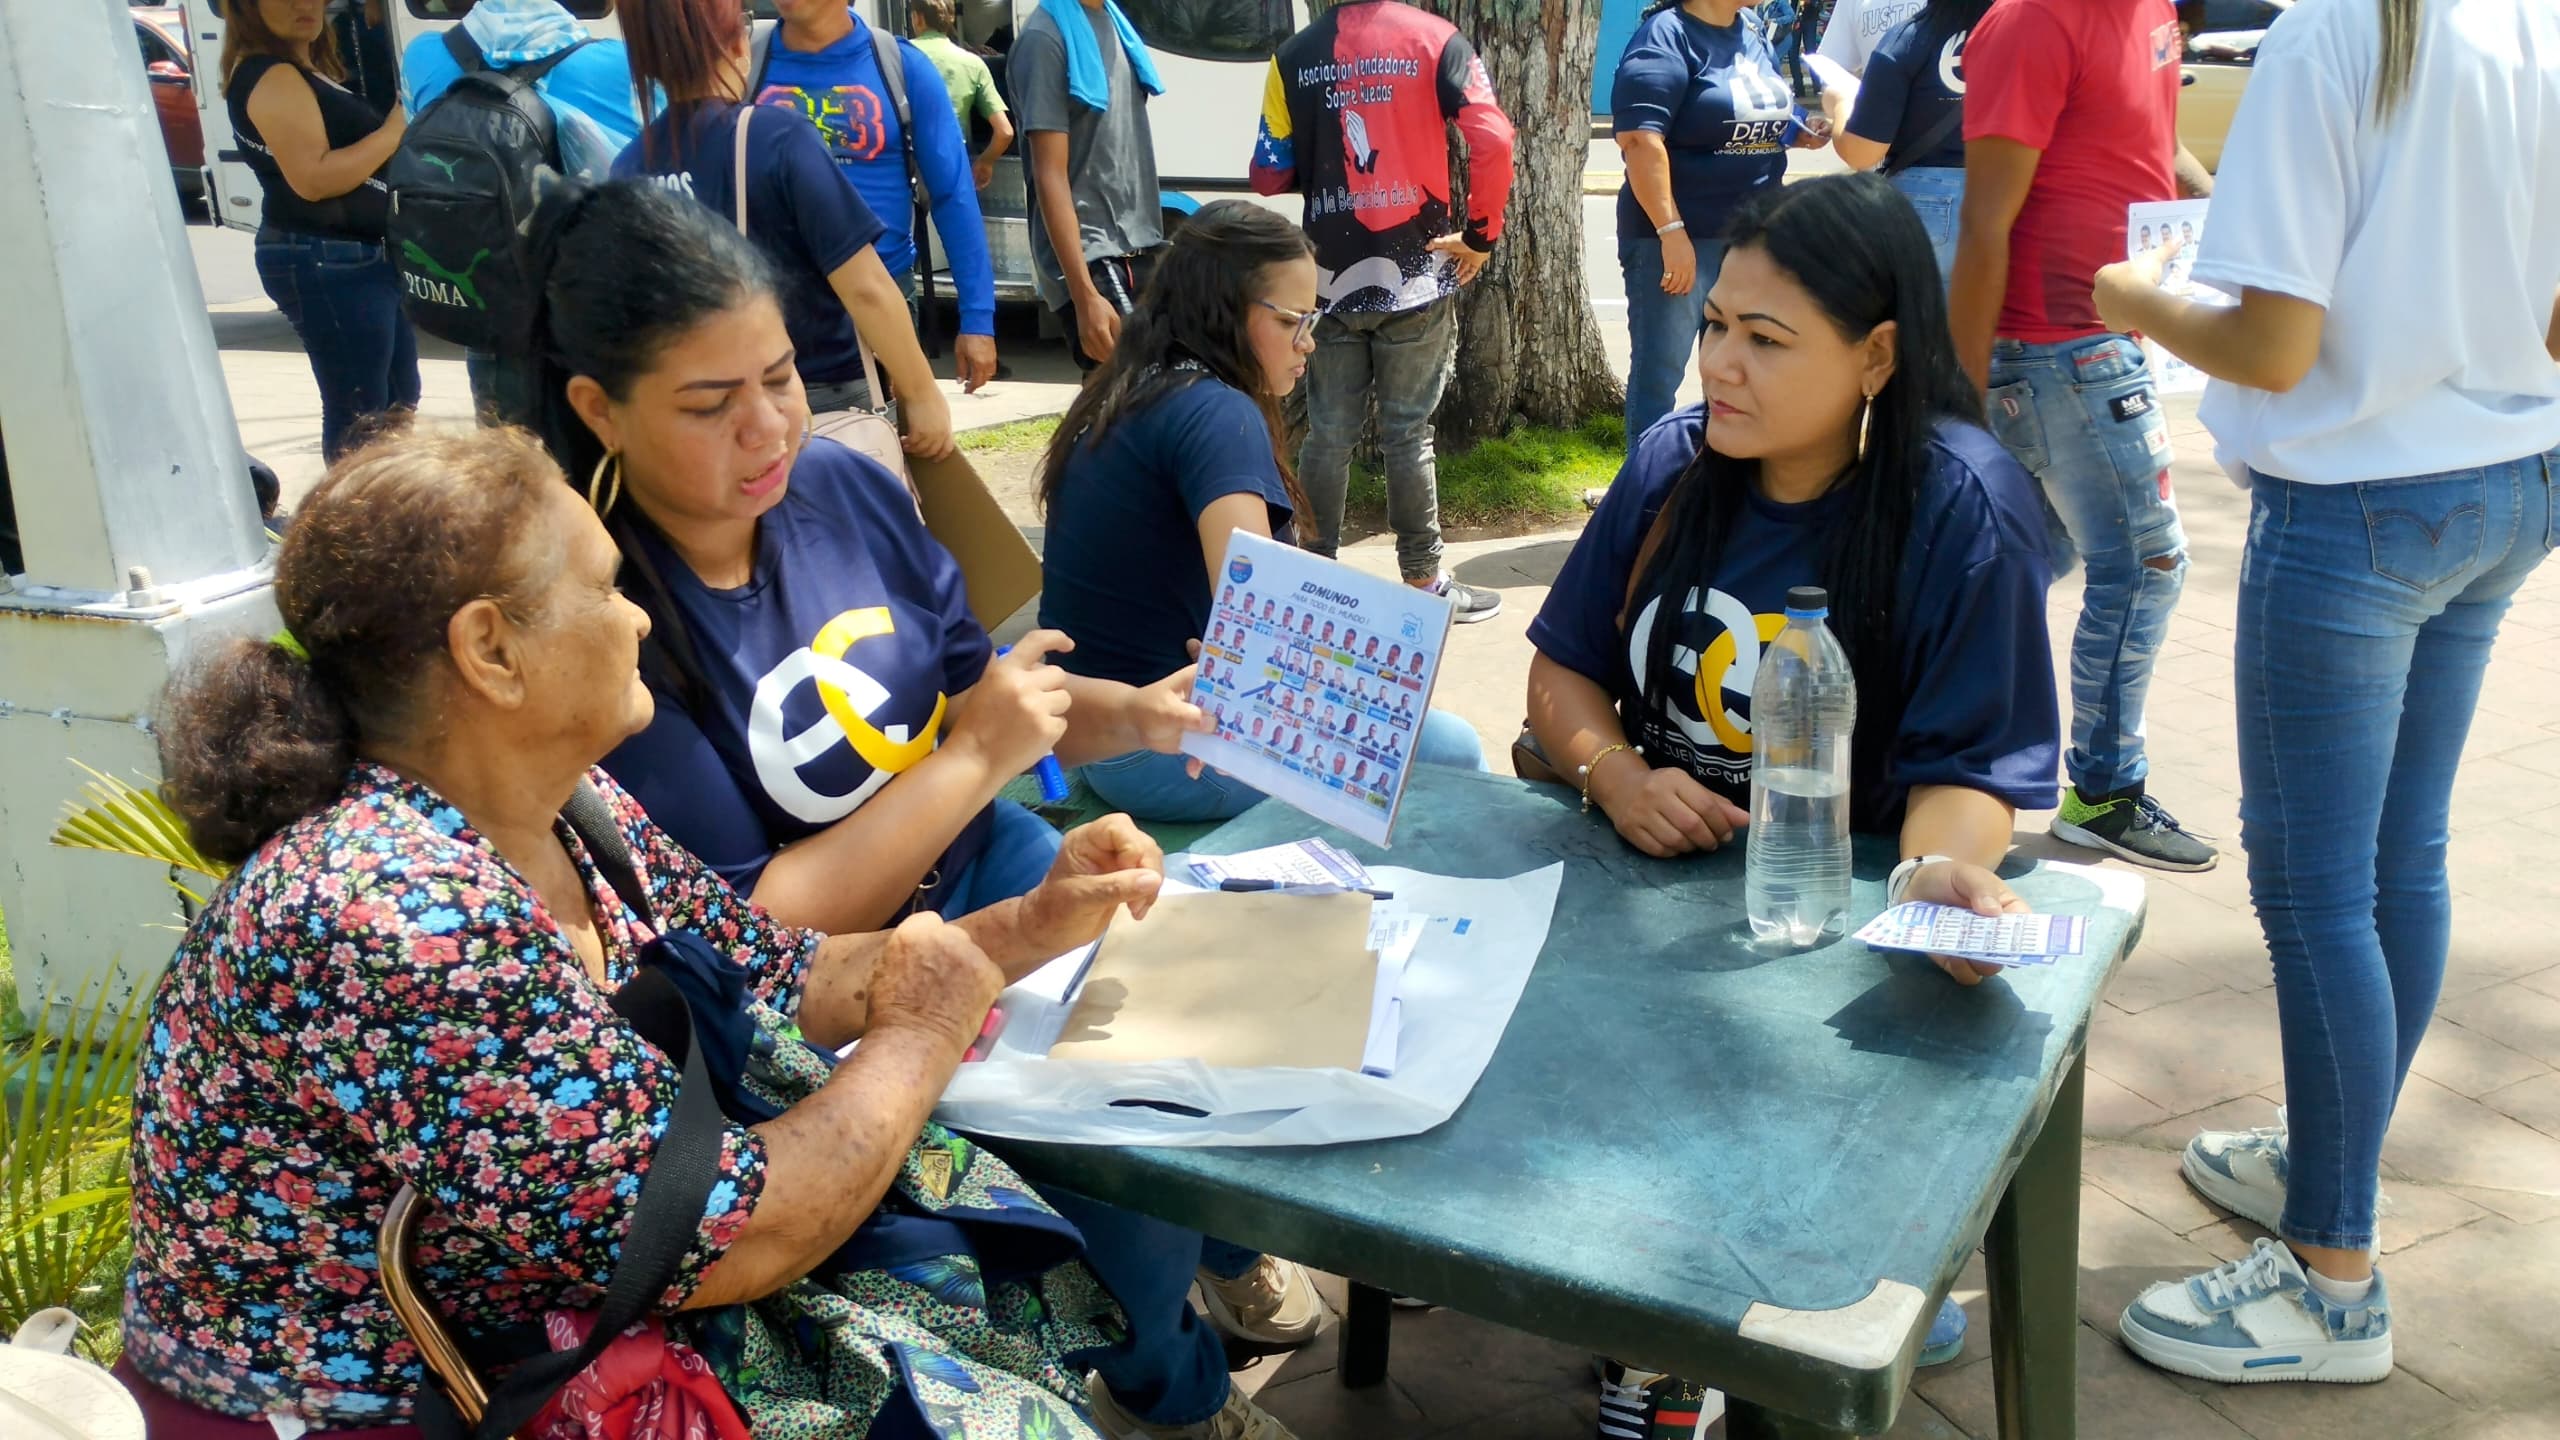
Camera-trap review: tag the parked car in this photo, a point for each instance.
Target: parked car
(2222, 43)
(161, 31)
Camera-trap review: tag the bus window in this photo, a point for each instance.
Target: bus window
(1234, 30)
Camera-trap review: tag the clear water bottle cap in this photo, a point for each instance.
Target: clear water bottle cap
(1808, 602)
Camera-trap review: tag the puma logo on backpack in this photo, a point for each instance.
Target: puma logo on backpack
(463, 186)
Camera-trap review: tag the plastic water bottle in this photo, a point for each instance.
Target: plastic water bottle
(1804, 703)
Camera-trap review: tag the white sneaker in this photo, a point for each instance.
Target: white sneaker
(2259, 1319)
(2243, 1171)
(1274, 1303)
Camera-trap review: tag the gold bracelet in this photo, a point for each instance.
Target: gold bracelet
(1584, 773)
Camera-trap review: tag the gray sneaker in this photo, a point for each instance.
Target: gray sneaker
(1468, 602)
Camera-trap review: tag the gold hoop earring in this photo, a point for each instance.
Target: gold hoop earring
(596, 483)
(1866, 418)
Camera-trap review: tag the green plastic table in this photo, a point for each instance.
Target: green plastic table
(1761, 1172)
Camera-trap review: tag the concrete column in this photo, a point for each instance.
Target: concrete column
(132, 494)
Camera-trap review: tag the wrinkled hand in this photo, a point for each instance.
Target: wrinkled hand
(1101, 866)
(1953, 882)
(932, 977)
(1469, 260)
(1017, 712)
(928, 422)
(2144, 272)
(1097, 326)
(1663, 811)
(974, 358)
(1679, 263)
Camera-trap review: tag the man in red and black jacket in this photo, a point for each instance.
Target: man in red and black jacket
(1354, 118)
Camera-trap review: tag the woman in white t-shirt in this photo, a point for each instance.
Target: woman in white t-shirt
(2388, 386)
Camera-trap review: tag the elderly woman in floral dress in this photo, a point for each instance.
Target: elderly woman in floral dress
(406, 983)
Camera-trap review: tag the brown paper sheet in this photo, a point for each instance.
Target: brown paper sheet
(1236, 980)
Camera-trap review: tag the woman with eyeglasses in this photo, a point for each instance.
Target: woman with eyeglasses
(1172, 448)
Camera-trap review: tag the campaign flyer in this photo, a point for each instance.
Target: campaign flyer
(1317, 677)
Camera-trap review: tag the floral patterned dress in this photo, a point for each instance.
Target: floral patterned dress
(377, 998)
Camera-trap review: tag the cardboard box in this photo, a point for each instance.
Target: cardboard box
(999, 565)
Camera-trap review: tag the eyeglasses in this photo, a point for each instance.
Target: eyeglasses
(1305, 320)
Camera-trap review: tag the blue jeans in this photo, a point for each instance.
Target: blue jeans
(1662, 330)
(1937, 193)
(1403, 360)
(342, 298)
(2083, 417)
(1150, 786)
(2366, 616)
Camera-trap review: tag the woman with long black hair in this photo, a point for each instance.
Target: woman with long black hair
(1171, 449)
(1839, 446)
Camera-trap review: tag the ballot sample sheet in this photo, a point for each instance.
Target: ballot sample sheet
(1317, 677)
(2147, 227)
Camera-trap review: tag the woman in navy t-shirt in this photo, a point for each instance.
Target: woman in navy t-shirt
(1839, 447)
(1170, 450)
(1704, 121)
(802, 212)
(1910, 117)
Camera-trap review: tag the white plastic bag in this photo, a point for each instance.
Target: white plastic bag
(1460, 988)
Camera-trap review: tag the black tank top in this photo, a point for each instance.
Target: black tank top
(347, 118)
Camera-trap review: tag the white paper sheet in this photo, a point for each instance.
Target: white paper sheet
(1456, 992)
(2148, 226)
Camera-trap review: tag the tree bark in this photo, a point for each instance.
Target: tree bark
(1528, 344)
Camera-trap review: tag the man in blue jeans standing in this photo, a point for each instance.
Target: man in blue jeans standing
(1390, 253)
(2071, 111)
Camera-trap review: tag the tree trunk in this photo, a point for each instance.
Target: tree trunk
(1528, 344)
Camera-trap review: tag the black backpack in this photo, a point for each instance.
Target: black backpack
(463, 185)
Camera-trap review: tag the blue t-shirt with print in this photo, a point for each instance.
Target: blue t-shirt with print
(1714, 95)
(1979, 707)
(801, 212)
(1914, 82)
(826, 675)
(1121, 568)
(841, 90)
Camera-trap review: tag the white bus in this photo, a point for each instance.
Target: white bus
(1209, 53)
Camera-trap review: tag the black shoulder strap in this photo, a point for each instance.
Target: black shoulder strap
(532, 71)
(665, 1221)
(464, 50)
(592, 819)
(1929, 140)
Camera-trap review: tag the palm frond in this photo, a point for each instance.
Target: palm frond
(122, 818)
(66, 1193)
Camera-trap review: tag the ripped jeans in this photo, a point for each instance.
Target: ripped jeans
(2082, 416)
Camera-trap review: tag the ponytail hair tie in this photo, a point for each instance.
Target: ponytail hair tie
(286, 641)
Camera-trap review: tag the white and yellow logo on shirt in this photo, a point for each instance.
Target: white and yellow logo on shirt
(851, 697)
(1726, 665)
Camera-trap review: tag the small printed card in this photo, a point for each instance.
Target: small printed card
(1992, 939)
(2149, 225)
(1307, 862)
(1317, 677)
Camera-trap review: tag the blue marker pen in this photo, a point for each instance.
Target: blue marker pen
(1053, 776)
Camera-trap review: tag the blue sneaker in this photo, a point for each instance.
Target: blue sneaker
(2243, 1171)
(2257, 1319)
(1946, 1336)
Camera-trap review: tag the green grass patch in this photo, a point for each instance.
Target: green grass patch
(1020, 437)
(1530, 478)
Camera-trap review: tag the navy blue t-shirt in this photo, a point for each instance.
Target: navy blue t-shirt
(1121, 567)
(1979, 706)
(829, 673)
(1914, 80)
(1714, 96)
(801, 211)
